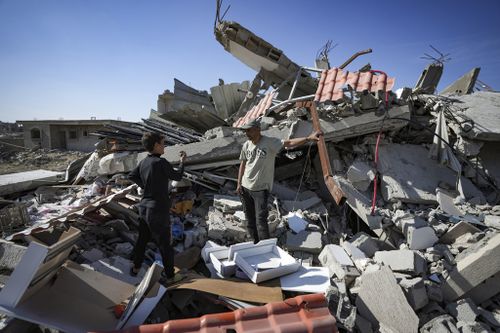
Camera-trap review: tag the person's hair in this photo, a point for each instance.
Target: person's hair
(149, 139)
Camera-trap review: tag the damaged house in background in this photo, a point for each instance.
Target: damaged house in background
(390, 223)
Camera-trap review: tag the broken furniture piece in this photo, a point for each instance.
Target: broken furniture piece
(48, 289)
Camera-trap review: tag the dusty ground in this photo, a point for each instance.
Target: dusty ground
(48, 159)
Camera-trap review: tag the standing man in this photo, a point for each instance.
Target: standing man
(256, 174)
(153, 175)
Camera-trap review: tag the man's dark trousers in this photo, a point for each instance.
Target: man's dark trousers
(255, 207)
(155, 224)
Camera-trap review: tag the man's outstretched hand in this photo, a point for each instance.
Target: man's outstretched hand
(314, 136)
(182, 156)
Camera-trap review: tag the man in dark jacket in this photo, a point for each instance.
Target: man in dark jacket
(153, 175)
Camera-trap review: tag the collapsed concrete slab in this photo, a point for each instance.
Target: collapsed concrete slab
(406, 261)
(28, 180)
(381, 301)
(307, 241)
(481, 110)
(429, 79)
(188, 107)
(464, 85)
(357, 125)
(228, 98)
(409, 175)
(478, 265)
(459, 229)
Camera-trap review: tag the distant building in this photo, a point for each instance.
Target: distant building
(64, 134)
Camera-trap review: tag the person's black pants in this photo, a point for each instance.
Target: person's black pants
(255, 207)
(155, 224)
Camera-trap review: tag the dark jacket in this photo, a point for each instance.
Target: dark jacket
(153, 175)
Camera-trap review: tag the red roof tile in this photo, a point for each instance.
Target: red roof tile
(332, 81)
(258, 110)
(306, 313)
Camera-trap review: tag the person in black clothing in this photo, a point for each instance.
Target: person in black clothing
(153, 175)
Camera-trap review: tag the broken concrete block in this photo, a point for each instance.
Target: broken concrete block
(484, 290)
(367, 244)
(307, 241)
(361, 175)
(216, 225)
(406, 261)
(446, 203)
(463, 310)
(415, 292)
(235, 233)
(464, 85)
(240, 215)
(381, 301)
(404, 223)
(474, 268)
(442, 324)
(227, 204)
(421, 238)
(492, 318)
(338, 262)
(296, 222)
(492, 221)
(357, 256)
(459, 229)
(475, 327)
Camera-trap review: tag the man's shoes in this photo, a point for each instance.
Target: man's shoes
(134, 271)
(168, 281)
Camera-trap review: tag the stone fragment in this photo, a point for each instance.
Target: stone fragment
(406, 261)
(463, 310)
(421, 238)
(381, 301)
(492, 221)
(474, 268)
(307, 241)
(472, 327)
(360, 174)
(216, 225)
(227, 204)
(459, 229)
(10, 255)
(367, 244)
(415, 292)
(338, 262)
(442, 324)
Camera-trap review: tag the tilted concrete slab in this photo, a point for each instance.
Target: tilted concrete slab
(382, 302)
(227, 98)
(357, 125)
(482, 108)
(480, 264)
(464, 85)
(28, 180)
(409, 175)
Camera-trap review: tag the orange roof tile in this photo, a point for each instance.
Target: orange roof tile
(332, 81)
(305, 313)
(258, 110)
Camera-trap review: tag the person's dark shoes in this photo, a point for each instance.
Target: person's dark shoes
(168, 281)
(134, 271)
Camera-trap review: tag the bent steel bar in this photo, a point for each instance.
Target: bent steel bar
(332, 186)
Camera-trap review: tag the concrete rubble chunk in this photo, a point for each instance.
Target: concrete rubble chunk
(456, 231)
(429, 79)
(484, 290)
(464, 85)
(446, 203)
(474, 268)
(421, 238)
(492, 221)
(406, 261)
(27, 180)
(338, 262)
(381, 301)
(410, 176)
(227, 204)
(369, 245)
(415, 292)
(476, 327)
(360, 174)
(463, 310)
(442, 324)
(296, 222)
(307, 241)
(492, 318)
(216, 225)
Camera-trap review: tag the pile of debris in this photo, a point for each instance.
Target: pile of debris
(394, 215)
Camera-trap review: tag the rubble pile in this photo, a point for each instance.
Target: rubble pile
(394, 215)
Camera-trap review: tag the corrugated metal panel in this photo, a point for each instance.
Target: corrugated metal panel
(332, 81)
(258, 110)
(306, 313)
